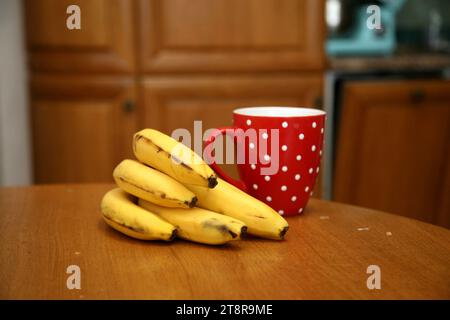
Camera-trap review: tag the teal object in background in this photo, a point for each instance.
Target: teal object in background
(361, 40)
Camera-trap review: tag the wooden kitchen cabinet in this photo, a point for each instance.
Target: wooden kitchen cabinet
(231, 35)
(82, 127)
(104, 42)
(393, 147)
(169, 103)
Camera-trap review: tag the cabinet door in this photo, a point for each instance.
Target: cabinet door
(393, 147)
(82, 127)
(238, 35)
(170, 103)
(104, 42)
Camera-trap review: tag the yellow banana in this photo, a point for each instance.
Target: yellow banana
(149, 184)
(173, 158)
(226, 199)
(199, 225)
(123, 214)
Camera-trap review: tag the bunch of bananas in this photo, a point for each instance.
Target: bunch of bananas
(172, 192)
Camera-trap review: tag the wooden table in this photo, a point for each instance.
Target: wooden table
(44, 229)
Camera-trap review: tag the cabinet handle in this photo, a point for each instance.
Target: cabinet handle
(128, 106)
(318, 102)
(417, 96)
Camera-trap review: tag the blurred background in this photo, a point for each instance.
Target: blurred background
(70, 99)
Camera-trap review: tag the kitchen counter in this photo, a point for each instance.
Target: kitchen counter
(45, 229)
(402, 61)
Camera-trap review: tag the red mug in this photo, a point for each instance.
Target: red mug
(278, 154)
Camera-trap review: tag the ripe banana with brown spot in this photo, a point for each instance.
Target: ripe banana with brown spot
(150, 184)
(199, 225)
(261, 220)
(167, 155)
(121, 213)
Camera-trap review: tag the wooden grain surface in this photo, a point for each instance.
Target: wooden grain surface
(44, 229)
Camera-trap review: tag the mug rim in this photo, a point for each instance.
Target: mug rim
(278, 111)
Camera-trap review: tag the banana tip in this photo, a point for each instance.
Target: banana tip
(193, 202)
(173, 235)
(243, 231)
(283, 232)
(212, 182)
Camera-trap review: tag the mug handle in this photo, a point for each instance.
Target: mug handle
(212, 137)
